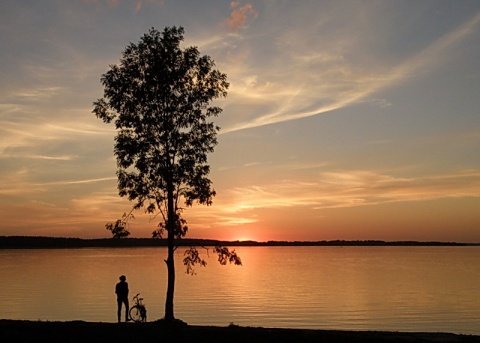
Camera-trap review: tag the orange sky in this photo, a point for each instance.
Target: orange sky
(344, 120)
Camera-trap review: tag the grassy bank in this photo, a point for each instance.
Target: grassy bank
(77, 331)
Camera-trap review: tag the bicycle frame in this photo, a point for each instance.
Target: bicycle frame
(138, 312)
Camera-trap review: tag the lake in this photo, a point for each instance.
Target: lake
(348, 288)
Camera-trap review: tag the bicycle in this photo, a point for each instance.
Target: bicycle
(138, 312)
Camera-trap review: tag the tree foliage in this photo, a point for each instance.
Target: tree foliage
(159, 98)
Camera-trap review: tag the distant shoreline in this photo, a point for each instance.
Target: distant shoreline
(41, 242)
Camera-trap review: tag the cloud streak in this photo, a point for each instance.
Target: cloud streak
(352, 188)
(337, 84)
(19, 184)
(18, 135)
(115, 3)
(240, 206)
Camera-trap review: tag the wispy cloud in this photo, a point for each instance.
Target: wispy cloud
(101, 201)
(78, 182)
(36, 94)
(67, 218)
(350, 189)
(316, 83)
(19, 184)
(330, 190)
(40, 157)
(16, 135)
(138, 4)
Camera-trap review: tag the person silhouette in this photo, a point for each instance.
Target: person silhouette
(121, 290)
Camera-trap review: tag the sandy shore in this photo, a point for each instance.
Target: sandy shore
(78, 331)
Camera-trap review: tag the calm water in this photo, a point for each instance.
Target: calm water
(361, 288)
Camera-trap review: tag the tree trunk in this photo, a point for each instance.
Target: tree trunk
(169, 314)
(171, 224)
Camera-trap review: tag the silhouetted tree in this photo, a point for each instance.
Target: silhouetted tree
(158, 97)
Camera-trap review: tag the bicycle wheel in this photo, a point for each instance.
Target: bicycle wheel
(136, 314)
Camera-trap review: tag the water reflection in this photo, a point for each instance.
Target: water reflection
(367, 288)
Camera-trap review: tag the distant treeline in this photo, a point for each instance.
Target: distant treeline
(34, 242)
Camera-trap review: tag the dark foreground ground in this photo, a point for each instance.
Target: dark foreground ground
(78, 331)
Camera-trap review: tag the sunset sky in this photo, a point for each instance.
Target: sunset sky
(344, 119)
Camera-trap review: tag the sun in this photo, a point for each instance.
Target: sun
(244, 239)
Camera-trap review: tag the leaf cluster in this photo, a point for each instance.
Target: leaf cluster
(119, 228)
(192, 258)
